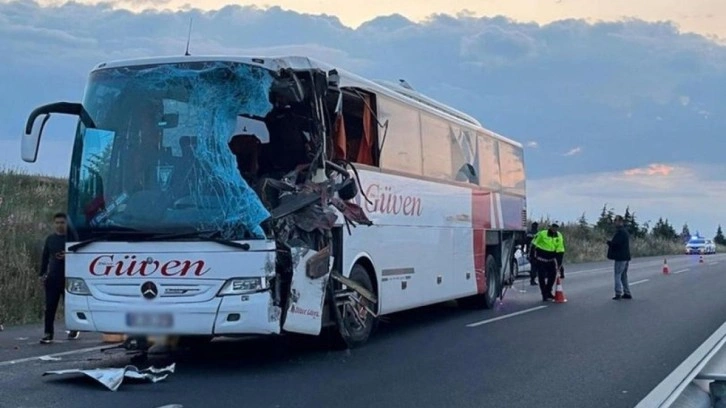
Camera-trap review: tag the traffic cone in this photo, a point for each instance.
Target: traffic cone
(666, 271)
(559, 293)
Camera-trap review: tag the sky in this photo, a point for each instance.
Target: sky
(616, 103)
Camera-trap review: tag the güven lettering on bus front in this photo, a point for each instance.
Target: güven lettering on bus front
(108, 265)
(385, 201)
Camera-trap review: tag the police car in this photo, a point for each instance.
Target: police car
(700, 245)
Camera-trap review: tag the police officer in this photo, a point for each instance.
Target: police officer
(548, 248)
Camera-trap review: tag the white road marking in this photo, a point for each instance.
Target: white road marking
(713, 263)
(639, 282)
(640, 265)
(681, 271)
(505, 316)
(47, 356)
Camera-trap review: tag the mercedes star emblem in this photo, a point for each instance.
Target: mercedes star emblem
(149, 290)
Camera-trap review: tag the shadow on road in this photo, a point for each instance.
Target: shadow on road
(269, 352)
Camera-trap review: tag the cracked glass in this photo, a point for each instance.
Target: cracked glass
(159, 157)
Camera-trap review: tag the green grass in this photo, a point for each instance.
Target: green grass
(27, 205)
(28, 202)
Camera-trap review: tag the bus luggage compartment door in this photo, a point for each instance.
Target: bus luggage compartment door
(311, 271)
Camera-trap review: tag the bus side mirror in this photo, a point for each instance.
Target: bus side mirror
(36, 122)
(31, 141)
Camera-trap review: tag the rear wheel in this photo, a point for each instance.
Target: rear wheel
(487, 299)
(493, 283)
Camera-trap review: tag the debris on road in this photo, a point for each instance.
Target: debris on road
(113, 377)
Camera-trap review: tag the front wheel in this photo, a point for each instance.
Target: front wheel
(355, 324)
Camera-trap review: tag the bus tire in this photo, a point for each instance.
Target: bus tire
(487, 299)
(493, 283)
(356, 335)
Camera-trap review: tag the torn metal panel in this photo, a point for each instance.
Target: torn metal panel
(304, 313)
(112, 378)
(354, 286)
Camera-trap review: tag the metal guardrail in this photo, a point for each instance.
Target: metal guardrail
(678, 389)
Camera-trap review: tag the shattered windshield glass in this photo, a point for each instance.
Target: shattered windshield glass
(168, 152)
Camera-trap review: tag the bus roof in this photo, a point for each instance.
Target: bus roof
(392, 90)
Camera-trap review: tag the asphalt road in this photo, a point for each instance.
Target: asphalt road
(589, 352)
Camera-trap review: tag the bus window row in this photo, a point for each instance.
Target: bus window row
(419, 143)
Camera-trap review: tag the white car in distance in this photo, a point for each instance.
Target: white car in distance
(700, 245)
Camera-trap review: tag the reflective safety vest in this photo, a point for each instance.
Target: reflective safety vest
(547, 243)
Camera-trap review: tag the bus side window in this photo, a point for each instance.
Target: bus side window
(489, 172)
(355, 132)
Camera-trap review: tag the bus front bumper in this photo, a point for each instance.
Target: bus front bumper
(227, 315)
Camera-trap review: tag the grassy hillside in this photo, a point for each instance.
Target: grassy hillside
(27, 204)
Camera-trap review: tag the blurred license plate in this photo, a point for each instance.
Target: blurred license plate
(157, 320)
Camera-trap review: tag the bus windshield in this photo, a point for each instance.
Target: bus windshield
(168, 150)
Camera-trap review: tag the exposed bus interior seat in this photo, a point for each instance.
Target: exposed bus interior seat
(355, 141)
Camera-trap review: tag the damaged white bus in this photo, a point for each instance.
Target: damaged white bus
(240, 196)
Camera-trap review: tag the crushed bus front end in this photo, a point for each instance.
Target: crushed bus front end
(203, 197)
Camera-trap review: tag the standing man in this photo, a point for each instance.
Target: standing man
(53, 275)
(548, 248)
(619, 251)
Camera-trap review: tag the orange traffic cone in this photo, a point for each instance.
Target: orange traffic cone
(559, 293)
(666, 271)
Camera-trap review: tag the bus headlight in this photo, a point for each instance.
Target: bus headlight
(241, 286)
(77, 286)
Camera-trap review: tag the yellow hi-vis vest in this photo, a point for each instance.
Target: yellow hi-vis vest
(547, 243)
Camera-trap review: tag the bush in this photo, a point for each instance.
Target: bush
(586, 243)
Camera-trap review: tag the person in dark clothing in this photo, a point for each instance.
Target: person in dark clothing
(53, 275)
(619, 252)
(528, 244)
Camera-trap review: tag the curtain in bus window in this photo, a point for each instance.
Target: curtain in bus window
(463, 156)
(512, 168)
(339, 150)
(365, 148)
(437, 148)
(489, 176)
(401, 147)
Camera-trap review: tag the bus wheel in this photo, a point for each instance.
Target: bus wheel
(356, 324)
(493, 283)
(485, 300)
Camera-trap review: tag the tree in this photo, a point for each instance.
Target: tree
(631, 225)
(685, 233)
(664, 230)
(719, 238)
(582, 222)
(605, 222)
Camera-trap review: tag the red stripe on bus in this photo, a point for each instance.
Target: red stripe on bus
(481, 221)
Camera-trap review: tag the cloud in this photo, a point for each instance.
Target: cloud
(681, 192)
(654, 169)
(573, 151)
(568, 87)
